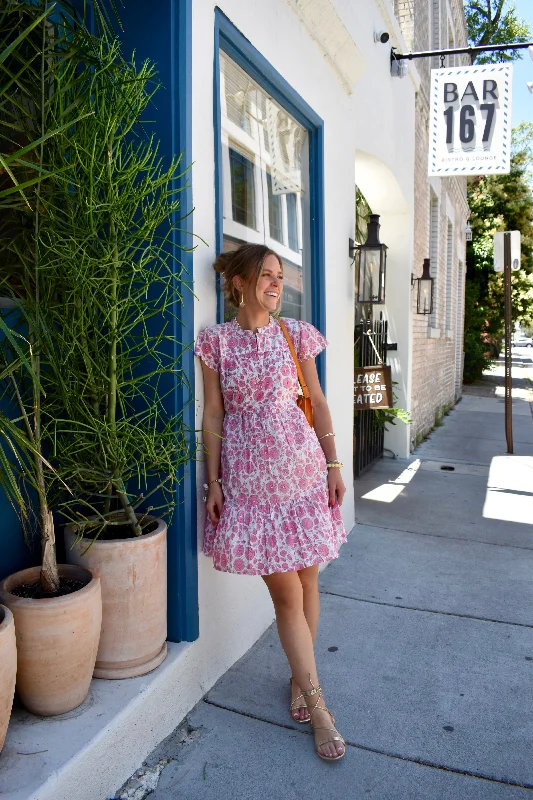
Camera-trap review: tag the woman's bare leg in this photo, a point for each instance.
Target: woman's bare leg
(311, 599)
(309, 580)
(296, 639)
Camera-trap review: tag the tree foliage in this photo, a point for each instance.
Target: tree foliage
(498, 203)
(495, 22)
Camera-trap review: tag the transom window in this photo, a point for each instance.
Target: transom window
(265, 179)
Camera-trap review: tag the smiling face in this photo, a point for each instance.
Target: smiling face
(267, 289)
(270, 283)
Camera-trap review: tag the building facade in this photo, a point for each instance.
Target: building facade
(441, 213)
(281, 108)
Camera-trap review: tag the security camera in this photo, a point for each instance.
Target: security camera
(381, 36)
(530, 50)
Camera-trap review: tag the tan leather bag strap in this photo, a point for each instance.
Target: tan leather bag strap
(305, 390)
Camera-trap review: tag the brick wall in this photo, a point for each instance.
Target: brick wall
(437, 340)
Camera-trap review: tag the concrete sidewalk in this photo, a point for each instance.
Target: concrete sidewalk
(425, 646)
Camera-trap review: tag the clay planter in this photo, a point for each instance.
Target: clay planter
(133, 573)
(57, 639)
(8, 669)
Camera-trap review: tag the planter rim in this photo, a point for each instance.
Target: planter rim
(64, 598)
(161, 526)
(7, 619)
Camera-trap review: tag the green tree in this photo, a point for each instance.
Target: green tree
(495, 22)
(498, 203)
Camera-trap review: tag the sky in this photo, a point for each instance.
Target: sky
(523, 72)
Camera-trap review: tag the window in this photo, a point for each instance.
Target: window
(242, 189)
(434, 32)
(292, 221)
(459, 323)
(434, 256)
(264, 180)
(449, 279)
(275, 220)
(451, 45)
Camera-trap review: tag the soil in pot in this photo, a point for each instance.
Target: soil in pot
(57, 639)
(118, 531)
(34, 591)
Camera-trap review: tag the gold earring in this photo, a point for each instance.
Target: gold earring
(241, 304)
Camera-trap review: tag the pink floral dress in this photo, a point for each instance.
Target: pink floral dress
(276, 515)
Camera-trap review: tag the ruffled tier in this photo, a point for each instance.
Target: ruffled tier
(260, 539)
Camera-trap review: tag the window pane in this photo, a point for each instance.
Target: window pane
(265, 169)
(242, 189)
(274, 213)
(292, 222)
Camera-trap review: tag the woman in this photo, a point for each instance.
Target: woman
(274, 485)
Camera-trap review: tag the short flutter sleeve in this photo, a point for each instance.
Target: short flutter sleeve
(311, 342)
(207, 347)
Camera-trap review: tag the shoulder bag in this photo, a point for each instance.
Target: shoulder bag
(304, 400)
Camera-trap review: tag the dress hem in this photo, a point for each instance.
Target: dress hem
(321, 560)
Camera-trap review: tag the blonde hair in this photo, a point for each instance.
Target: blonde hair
(244, 262)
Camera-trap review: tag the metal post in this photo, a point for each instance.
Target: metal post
(508, 330)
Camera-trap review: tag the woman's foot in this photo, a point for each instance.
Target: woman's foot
(329, 744)
(324, 731)
(299, 711)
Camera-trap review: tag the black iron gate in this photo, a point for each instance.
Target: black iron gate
(367, 431)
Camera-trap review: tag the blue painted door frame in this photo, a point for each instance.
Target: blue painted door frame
(164, 36)
(229, 39)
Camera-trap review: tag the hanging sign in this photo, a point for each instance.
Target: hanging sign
(470, 120)
(372, 387)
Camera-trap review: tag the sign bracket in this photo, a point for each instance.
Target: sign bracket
(472, 51)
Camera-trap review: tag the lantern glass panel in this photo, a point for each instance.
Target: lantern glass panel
(425, 296)
(371, 288)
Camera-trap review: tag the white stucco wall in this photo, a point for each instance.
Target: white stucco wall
(369, 137)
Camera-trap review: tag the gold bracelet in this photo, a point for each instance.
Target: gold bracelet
(334, 464)
(325, 436)
(215, 480)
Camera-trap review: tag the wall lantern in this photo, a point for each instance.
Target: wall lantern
(371, 259)
(468, 231)
(424, 298)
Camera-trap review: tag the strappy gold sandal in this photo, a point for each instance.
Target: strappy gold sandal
(294, 708)
(311, 693)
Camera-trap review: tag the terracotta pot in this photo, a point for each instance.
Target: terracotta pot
(134, 599)
(8, 669)
(57, 639)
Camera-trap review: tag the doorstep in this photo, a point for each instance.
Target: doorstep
(88, 753)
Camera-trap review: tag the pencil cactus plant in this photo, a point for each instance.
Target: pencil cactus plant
(91, 350)
(34, 68)
(117, 441)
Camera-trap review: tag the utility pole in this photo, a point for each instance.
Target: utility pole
(508, 354)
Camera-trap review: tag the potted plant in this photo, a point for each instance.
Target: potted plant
(56, 610)
(8, 669)
(117, 440)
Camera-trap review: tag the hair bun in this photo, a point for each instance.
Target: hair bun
(222, 262)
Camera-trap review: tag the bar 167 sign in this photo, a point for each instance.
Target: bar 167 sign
(470, 126)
